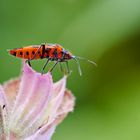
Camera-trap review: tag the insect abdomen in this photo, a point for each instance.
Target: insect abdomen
(27, 52)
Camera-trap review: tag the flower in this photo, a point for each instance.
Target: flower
(32, 106)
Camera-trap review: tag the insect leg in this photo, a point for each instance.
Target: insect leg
(29, 63)
(42, 71)
(63, 55)
(67, 65)
(61, 68)
(43, 48)
(54, 66)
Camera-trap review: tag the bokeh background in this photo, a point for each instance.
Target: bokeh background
(106, 31)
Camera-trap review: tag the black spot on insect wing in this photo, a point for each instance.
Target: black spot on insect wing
(14, 53)
(43, 51)
(33, 52)
(27, 53)
(21, 53)
(47, 50)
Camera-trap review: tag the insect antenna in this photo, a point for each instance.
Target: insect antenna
(82, 58)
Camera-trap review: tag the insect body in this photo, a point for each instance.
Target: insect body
(52, 52)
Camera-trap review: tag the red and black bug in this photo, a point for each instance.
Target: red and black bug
(52, 52)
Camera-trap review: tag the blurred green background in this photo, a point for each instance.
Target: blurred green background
(106, 31)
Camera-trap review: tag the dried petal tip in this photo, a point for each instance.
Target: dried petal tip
(37, 105)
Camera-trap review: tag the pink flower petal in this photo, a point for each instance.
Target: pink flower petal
(3, 115)
(47, 113)
(34, 93)
(45, 136)
(46, 131)
(57, 97)
(11, 88)
(67, 105)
